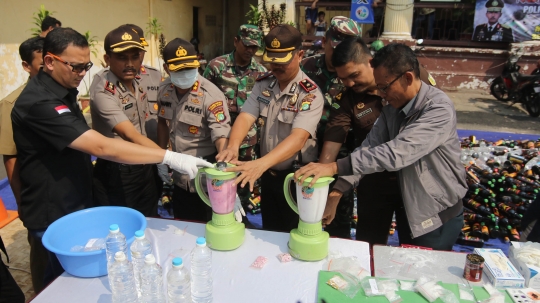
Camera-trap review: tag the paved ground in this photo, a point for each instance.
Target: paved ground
(476, 110)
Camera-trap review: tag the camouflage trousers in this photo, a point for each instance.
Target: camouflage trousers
(249, 153)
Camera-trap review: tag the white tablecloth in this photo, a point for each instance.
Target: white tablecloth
(234, 279)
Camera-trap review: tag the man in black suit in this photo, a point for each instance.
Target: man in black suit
(493, 30)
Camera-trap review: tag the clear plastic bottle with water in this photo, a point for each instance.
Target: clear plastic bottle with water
(201, 272)
(121, 280)
(178, 283)
(116, 241)
(151, 281)
(139, 249)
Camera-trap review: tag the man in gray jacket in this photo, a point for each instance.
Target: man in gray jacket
(415, 136)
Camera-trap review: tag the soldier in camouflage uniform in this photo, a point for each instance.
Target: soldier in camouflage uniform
(235, 75)
(319, 68)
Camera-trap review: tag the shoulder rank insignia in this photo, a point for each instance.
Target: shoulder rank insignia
(264, 76)
(121, 86)
(195, 87)
(110, 87)
(143, 70)
(293, 88)
(308, 85)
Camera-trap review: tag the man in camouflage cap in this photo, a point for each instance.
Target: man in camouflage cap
(235, 75)
(320, 69)
(493, 30)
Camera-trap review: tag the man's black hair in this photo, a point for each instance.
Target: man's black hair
(59, 39)
(321, 13)
(49, 21)
(28, 47)
(397, 58)
(352, 49)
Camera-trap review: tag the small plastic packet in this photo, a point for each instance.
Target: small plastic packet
(345, 283)
(392, 297)
(447, 296)
(349, 265)
(490, 289)
(371, 287)
(496, 298)
(388, 285)
(428, 288)
(260, 262)
(284, 258)
(95, 244)
(337, 282)
(407, 285)
(465, 292)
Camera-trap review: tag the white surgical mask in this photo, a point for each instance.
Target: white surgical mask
(185, 78)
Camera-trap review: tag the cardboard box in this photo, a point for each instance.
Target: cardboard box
(528, 271)
(499, 270)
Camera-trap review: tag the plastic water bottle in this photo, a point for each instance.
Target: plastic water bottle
(178, 283)
(121, 280)
(139, 249)
(151, 281)
(201, 272)
(116, 241)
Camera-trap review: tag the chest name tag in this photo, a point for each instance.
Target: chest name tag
(361, 114)
(192, 109)
(128, 106)
(263, 100)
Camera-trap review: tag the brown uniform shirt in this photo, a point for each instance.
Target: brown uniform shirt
(111, 102)
(7, 145)
(150, 81)
(196, 120)
(299, 105)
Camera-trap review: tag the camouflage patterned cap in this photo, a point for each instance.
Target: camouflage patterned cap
(494, 5)
(250, 35)
(342, 28)
(137, 29)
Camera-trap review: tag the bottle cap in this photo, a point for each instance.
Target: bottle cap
(139, 234)
(150, 259)
(114, 228)
(201, 241)
(177, 262)
(119, 256)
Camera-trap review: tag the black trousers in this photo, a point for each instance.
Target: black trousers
(375, 211)
(125, 185)
(276, 213)
(10, 292)
(341, 225)
(189, 206)
(39, 258)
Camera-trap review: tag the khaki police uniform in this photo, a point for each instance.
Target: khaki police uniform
(196, 120)
(299, 105)
(111, 103)
(150, 79)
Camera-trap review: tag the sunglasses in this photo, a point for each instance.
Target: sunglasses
(79, 68)
(383, 89)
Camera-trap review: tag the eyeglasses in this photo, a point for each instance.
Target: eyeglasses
(79, 68)
(383, 89)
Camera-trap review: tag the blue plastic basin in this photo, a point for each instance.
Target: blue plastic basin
(78, 227)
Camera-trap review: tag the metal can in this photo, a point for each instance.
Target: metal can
(474, 264)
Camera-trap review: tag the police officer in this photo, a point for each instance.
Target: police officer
(493, 30)
(119, 108)
(320, 69)
(235, 75)
(198, 121)
(358, 106)
(289, 105)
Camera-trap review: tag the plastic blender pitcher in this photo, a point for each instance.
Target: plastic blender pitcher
(311, 201)
(221, 189)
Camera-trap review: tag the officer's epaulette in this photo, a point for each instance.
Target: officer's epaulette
(308, 85)
(195, 87)
(143, 70)
(109, 86)
(264, 76)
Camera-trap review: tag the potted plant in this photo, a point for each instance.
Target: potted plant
(38, 20)
(84, 99)
(155, 30)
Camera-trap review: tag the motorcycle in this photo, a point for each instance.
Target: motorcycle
(517, 87)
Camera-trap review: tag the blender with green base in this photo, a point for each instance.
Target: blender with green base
(308, 242)
(223, 232)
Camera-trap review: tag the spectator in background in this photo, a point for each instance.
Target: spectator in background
(311, 17)
(321, 25)
(48, 24)
(31, 52)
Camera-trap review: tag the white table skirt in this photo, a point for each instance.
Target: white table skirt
(234, 279)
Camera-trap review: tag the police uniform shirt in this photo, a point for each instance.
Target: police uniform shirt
(280, 114)
(56, 180)
(7, 146)
(150, 81)
(111, 103)
(197, 120)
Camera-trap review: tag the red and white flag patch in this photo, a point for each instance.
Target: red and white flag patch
(62, 109)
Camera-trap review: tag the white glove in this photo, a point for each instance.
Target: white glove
(184, 164)
(238, 210)
(163, 172)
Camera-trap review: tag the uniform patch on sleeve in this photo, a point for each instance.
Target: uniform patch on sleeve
(308, 85)
(110, 87)
(220, 115)
(214, 106)
(306, 102)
